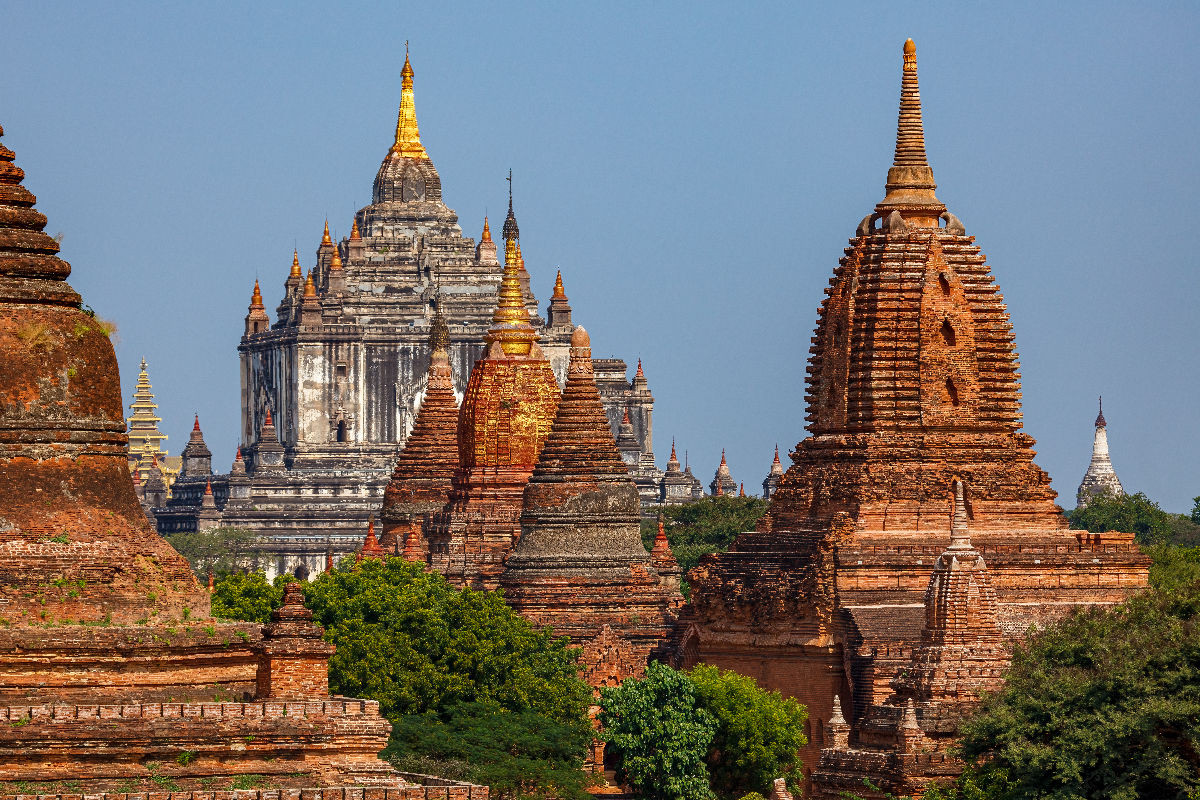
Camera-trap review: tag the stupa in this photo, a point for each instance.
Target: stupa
(1100, 477)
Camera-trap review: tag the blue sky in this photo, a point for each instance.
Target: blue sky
(694, 169)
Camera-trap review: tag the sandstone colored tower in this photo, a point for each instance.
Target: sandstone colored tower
(1100, 477)
(912, 385)
(145, 439)
(424, 472)
(580, 567)
(506, 415)
(103, 706)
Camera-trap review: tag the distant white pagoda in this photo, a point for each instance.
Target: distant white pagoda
(1100, 477)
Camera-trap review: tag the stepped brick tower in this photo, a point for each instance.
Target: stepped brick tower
(580, 566)
(912, 384)
(723, 482)
(145, 439)
(424, 472)
(112, 661)
(772, 479)
(1100, 477)
(342, 368)
(506, 414)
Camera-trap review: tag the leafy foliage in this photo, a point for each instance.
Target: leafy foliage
(218, 550)
(759, 734)
(704, 526)
(1137, 514)
(517, 754)
(471, 687)
(247, 596)
(1105, 704)
(659, 735)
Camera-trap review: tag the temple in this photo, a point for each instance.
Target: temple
(113, 666)
(912, 390)
(1100, 477)
(770, 482)
(342, 369)
(145, 439)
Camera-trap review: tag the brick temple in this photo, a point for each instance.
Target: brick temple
(112, 666)
(342, 367)
(912, 386)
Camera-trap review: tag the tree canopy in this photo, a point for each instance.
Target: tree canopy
(1136, 514)
(737, 738)
(705, 526)
(435, 657)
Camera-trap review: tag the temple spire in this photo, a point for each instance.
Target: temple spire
(511, 326)
(408, 137)
(325, 240)
(295, 273)
(910, 184)
(1100, 421)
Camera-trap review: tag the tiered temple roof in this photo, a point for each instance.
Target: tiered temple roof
(912, 385)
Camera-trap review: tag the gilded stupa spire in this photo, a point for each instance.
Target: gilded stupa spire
(296, 273)
(325, 240)
(354, 233)
(511, 326)
(256, 301)
(559, 291)
(310, 289)
(487, 231)
(910, 184)
(408, 137)
(335, 263)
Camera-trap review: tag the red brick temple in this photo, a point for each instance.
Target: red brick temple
(912, 385)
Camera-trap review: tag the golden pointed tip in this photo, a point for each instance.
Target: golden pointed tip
(910, 56)
(910, 47)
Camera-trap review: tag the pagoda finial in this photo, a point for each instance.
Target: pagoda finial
(335, 263)
(723, 464)
(625, 419)
(296, 262)
(144, 358)
(487, 231)
(742, 489)
(511, 231)
(776, 461)
(408, 136)
(910, 183)
(1100, 421)
(354, 234)
(325, 240)
(559, 292)
(960, 539)
(673, 456)
(256, 300)
(639, 373)
(196, 424)
(268, 420)
(310, 289)
(510, 322)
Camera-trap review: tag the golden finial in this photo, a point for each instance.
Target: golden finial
(520, 258)
(325, 240)
(296, 265)
(336, 261)
(487, 231)
(354, 234)
(910, 55)
(408, 136)
(256, 300)
(310, 290)
(559, 292)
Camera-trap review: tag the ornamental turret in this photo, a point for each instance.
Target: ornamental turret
(485, 251)
(197, 458)
(257, 320)
(772, 479)
(723, 482)
(1100, 477)
(407, 175)
(559, 313)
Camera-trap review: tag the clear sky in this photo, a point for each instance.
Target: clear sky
(695, 170)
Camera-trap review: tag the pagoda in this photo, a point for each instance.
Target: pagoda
(912, 385)
(145, 439)
(113, 664)
(1100, 478)
(341, 365)
(579, 566)
(505, 417)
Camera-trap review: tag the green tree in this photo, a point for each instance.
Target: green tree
(218, 550)
(1136, 514)
(659, 735)
(247, 596)
(516, 754)
(759, 733)
(704, 526)
(1105, 704)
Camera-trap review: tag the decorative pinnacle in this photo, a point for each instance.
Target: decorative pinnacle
(256, 300)
(310, 290)
(673, 456)
(325, 240)
(510, 322)
(559, 292)
(354, 234)
(408, 137)
(723, 464)
(296, 273)
(639, 375)
(268, 420)
(196, 424)
(336, 261)
(742, 490)
(625, 419)
(487, 232)
(837, 718)
(439, 331)
(776, 461)
(910, 179)
(1100, 421)
(208, 488)
(960, 539)
(511, 231)
(144, 358)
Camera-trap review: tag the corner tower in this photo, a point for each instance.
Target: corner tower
(912, 385)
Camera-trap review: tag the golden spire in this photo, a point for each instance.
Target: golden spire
(487, 232)
(325, 240)
(296, 265)
(511, 326)
(310, 290)
(256, 300)
(354, 234)
(910, 180)
(336, 261)
(558, 287)
(520, 258)
(408, 137)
